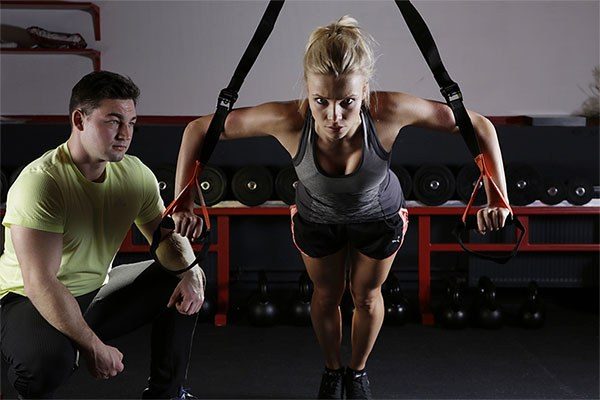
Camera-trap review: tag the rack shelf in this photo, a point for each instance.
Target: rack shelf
(90, 8)
(93, 55)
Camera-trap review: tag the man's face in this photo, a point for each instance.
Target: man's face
(108, 130)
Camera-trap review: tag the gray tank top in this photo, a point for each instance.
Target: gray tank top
(372, 192)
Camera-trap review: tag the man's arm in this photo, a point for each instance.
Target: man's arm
(39, 254)
(175, 252)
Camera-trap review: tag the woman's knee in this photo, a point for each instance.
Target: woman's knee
(327, 296)
(366, 300)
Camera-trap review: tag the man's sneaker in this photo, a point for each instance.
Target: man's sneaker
(332, 384)
(184, 394)
(357, 384)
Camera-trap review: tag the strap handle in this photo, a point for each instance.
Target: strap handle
(471, 224)
(168, 224)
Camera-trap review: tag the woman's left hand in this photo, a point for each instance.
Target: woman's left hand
(491, 218)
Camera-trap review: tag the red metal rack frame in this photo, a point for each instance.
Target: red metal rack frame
(426, 248)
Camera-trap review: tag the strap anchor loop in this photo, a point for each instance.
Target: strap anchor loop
(227, 98)
(452, 93)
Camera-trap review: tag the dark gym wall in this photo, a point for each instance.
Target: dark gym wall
(557, 151)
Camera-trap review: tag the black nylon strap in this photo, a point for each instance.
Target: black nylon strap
(228, 96)
(449, 89)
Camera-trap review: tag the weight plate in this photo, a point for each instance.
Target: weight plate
(285, 185)
(405, 180)
(252, 185)
(465, 183)
(165, 175)
(553, 191)
(579, 191)
(434, 184)
(213, 183)
(523, 183)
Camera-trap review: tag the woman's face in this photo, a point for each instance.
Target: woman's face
(335, 102)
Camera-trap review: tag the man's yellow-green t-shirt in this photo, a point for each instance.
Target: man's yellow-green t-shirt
(52, 195)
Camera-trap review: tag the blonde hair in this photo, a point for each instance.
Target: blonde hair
(340, 48)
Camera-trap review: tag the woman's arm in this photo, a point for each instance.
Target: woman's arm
(275, 119)
(397, 110)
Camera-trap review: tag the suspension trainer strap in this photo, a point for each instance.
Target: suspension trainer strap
(453, 96)
(229, 95)
(225, 102)
(449, 89)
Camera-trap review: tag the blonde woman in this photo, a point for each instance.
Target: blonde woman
(349, 205)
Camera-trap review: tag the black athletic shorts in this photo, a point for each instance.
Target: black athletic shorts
(377, 239)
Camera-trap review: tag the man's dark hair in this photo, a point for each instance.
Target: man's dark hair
(99, 85)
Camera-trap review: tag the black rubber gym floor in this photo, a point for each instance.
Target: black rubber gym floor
(560, 361)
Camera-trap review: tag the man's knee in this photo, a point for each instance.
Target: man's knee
(40, 375)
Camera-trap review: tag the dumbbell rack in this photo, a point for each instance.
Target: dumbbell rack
(426, 248)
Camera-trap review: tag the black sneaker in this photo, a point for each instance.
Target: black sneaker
(357, 384)
(332, 384)
(184, 394)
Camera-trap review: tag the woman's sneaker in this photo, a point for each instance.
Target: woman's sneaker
(357, 384)
(332, 384)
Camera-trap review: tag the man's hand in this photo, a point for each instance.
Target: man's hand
(188, 224)
(188, 296)
(103, 361)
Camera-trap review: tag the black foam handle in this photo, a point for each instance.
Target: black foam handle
(471, 224)
(168, 223)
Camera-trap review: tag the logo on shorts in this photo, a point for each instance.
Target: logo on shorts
(397, 240)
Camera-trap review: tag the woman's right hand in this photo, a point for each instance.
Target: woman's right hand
(188, 224)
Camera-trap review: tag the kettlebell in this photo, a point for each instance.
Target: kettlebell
(454, 313)
(300, 310)
(262, 311)
(532, 313)
(489, 313)
(396, 304)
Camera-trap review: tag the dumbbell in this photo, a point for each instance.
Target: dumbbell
(252, 185)
(553, 191)
(285, 185)
(579, 191)
(433, 185)
(405, 180)
(523, 183)
(165, 175)
(213, 183)
(465, 183)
